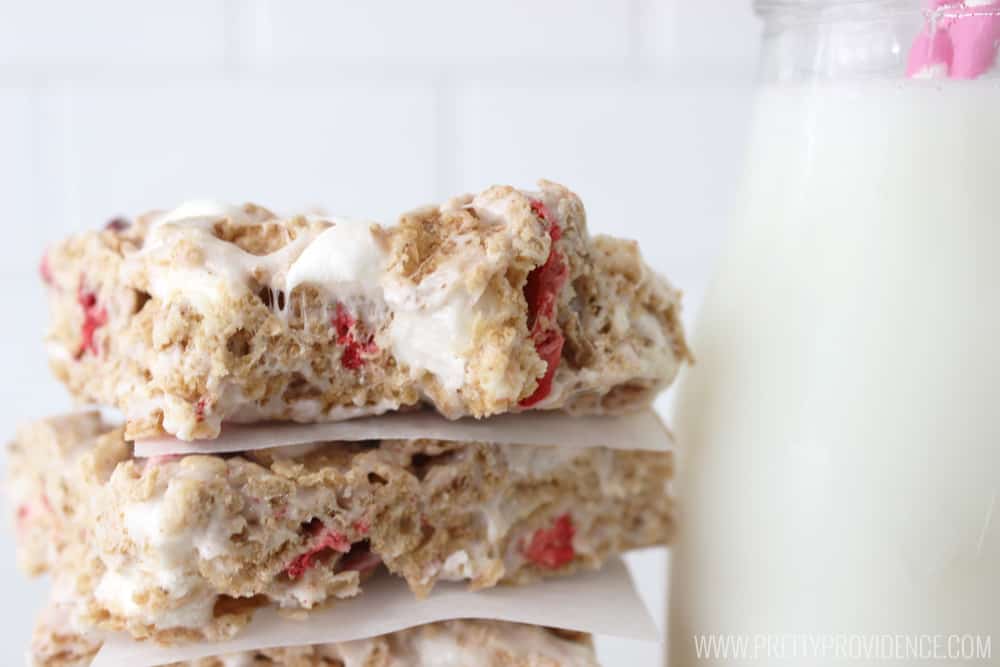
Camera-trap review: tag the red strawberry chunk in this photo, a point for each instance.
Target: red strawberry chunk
(355, 352)
(23, 512)
(343, 322)
(94, 317)
(118, 224)
(541, 291)
(549, 345)
(330, 539)
(163, 459)
(539, 208)
(46, 270)
(552, 548)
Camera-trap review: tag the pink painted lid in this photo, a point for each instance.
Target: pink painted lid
(959, 41)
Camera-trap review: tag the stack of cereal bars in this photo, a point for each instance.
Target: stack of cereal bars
(211, 317)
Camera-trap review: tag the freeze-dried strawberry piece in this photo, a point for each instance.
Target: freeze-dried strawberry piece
(330, 539)
(541, 291)
(343, 322)
(94, 317)
(539, 208)
(199, 409)
(32, 510)
(118, 224)
(545, 281)
(351, 358)
(163, 458)
(355, 351)
(362, 526)
(552, 548)
(549, 346)
(46, 270)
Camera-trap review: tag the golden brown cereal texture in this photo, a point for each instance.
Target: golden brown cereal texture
(476, 643)
(189, 547)
(174, 360)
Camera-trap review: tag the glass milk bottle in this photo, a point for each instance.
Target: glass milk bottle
(840, 433)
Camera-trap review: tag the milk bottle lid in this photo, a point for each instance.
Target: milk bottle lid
(959, 40)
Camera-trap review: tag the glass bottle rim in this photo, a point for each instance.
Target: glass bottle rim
(805, 8)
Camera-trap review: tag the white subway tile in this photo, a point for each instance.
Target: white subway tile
(28, 389)
(692, 36)
(436, 32)
(656, 162)
(28, 596)
(18, 180)
(348, 148)
(126, 33)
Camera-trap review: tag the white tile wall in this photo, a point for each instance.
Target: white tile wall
(652, 160)
(111, 33)
(27, 386)
(365, 149)
(18, 171)
(694, 38)
(113, 106)
(449, 33)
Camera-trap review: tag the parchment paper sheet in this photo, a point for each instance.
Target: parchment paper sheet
(639, 431)
(602, 602)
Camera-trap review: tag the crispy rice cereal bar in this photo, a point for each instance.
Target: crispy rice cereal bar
(188, 547)
(457, 643)
(492, 303)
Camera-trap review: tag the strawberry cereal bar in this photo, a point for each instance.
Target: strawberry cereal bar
(490, 303)
(188, 547)
(470, 643)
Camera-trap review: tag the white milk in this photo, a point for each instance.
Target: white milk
(841, 429)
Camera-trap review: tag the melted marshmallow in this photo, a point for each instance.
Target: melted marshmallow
(345, 258)
(118, 590)
(457, 567)
(453, 646)
(433, 649)
(245, 659)
(538, 461)
(432, 325)
(220, 269)
(201, 209)
(148, 525)
(433, 322)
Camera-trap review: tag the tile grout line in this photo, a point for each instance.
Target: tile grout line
(633, 58)
(231, 36)
(257, 68)
(36, 153)
(247, 38)
(445, 138)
